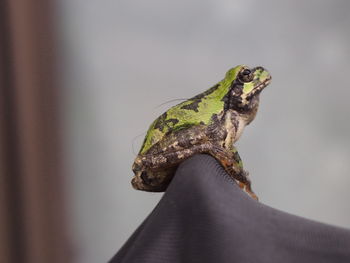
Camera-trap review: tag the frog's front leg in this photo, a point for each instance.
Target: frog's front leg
(234, 129)
(245, 184)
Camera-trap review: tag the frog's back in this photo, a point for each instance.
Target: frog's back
(195, 111)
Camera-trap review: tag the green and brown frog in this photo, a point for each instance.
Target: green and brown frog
(210, 123)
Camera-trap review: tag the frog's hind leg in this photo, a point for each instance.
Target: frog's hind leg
(225, 157)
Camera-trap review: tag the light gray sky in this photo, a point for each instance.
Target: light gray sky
(124, 58)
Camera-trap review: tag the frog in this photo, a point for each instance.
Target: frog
(208, 123)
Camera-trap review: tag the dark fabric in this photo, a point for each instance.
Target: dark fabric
(205, 217)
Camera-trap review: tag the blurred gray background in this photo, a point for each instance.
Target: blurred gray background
(121, 59)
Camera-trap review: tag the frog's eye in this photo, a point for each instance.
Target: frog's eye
(246, 75)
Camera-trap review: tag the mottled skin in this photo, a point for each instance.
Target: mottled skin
(210, 122)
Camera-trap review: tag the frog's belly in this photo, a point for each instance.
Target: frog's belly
(241, 125)
(233, 133)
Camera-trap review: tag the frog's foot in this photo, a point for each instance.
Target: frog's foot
(246, 186)
(149, 180)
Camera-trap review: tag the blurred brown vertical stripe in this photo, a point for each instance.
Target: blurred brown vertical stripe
(32, 225)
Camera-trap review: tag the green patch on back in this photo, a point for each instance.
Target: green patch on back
(195, 111)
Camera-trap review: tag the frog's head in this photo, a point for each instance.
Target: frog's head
(246, 85)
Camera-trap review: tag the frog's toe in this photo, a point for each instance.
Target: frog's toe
(136, 182)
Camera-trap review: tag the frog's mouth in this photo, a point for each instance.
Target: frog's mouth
(257, 89)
